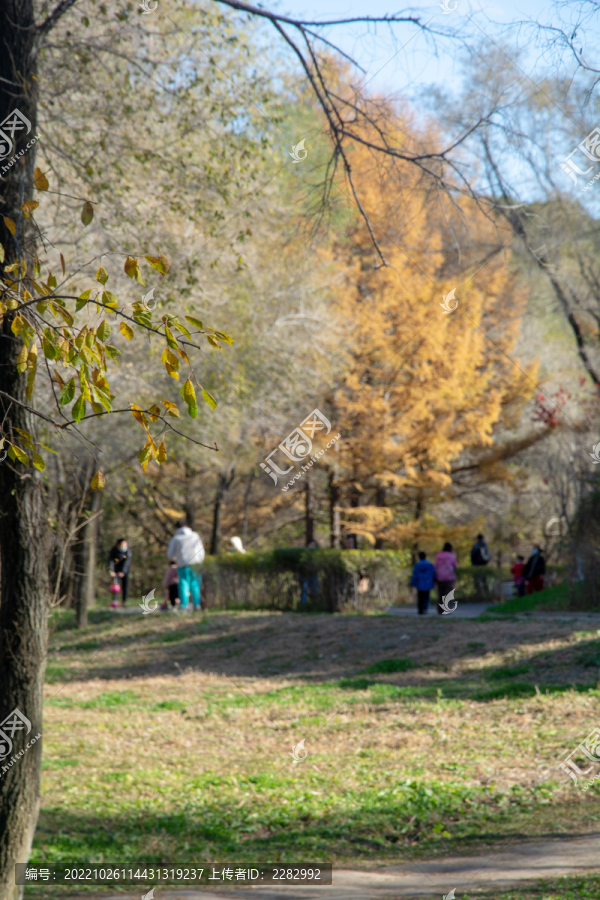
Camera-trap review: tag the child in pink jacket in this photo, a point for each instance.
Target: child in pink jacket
(446, 565)
(171, 586)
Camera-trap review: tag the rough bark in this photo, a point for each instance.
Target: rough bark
(380, 501)
(24, 533)
(87, 595)
(334, 511)
(309, 512)
(223, 485)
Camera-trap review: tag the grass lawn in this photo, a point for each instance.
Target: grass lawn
(170, 738)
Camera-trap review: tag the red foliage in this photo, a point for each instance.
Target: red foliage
(548, 410)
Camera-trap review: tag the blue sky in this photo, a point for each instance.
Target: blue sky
(416, 65)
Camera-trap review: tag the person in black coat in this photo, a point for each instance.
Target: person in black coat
(535, 569)
(119, 561)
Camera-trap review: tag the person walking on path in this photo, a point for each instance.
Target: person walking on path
(517, 573)
(446, 565)
(119, 562)
(186, 548)
(480, 556)
(423, 579)
(535, 569)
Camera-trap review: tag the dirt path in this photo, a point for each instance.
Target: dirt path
(507, 868)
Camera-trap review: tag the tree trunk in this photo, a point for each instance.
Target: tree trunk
(24, 583)
(87, 594)
(223, 485)
(190, 502)
(379, 501)
(309, 514)
(334, 511)
(246, 507)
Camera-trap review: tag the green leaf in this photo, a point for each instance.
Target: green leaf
(189, 395)
(145, 455)
(30, 383)
(208, 398)
(109, 299)
(196, 322)
(68, 392)
(160, 263)
(102, 275)
(181, 328)
(170, 339)
(50, 351)
(87, 213)
(82, 300)
(103, 331)
(78, 411)
(111, 351)
(101, 396)
(38, 461)
(49, 449)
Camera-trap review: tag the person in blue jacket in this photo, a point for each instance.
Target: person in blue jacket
(423, 579)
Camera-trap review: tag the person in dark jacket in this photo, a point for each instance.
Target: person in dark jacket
(423, 579)
(535, 569)
(119, 561)
(480, 556)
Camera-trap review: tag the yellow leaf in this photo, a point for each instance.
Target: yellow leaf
(126, 330)
(109, 299)
(160, 263)
(18, 455)
(162, 453)
(102, 275)
(137, 414)
(40, 181)
(32, 356)
(38, 461)
(98, 482)
(62, 263)
(132, 268)
(171, 408)
(22, 360)
(28, 207)
(12, 226)
(208, 398)
(154, 412)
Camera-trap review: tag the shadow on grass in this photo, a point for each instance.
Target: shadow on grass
(280, 816)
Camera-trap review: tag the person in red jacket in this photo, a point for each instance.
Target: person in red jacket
(517, 573)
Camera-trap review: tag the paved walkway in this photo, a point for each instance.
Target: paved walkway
(510, 867)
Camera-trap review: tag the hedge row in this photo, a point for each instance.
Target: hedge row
(336, 579)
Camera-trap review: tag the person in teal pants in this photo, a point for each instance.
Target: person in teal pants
(186, 548)
(189, 583)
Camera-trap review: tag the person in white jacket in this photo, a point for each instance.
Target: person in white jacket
(186, 548)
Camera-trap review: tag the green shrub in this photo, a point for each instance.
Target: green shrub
(387, 666)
